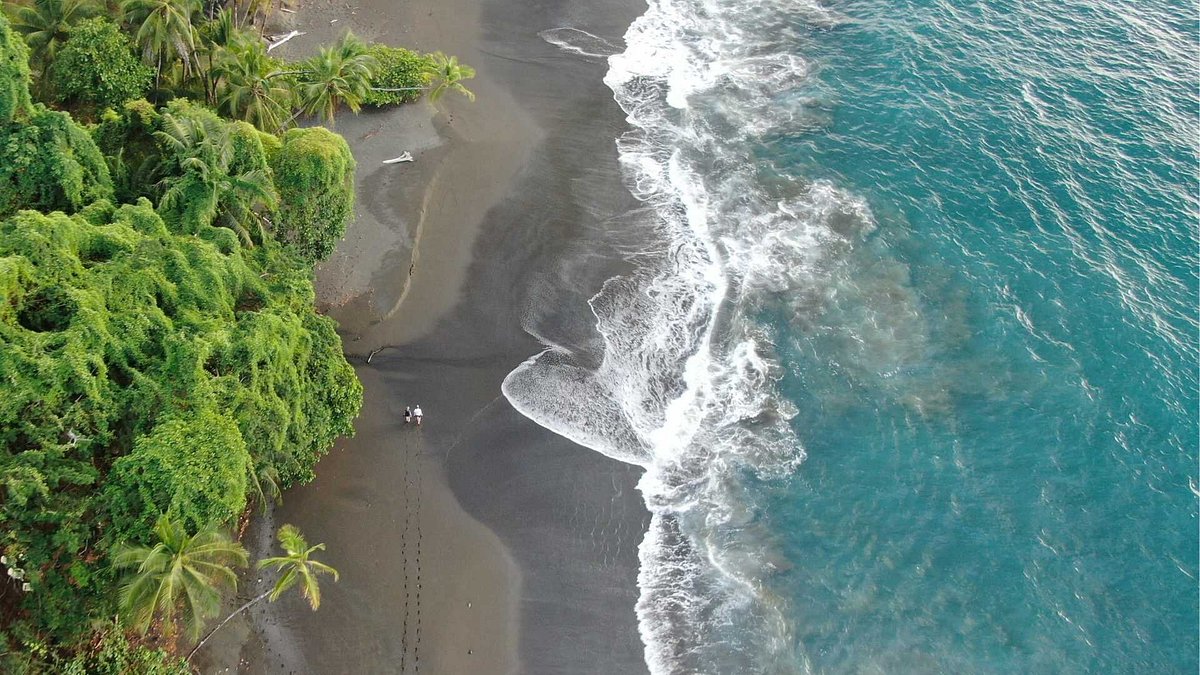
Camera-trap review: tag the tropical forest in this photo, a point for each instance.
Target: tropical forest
(166, 187)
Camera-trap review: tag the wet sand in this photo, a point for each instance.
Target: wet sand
(480, 542)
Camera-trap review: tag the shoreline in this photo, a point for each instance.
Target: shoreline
(512, 549)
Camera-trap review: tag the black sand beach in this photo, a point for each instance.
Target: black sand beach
(479, 542)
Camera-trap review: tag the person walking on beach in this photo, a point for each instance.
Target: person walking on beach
(407, 414)
(418, 414)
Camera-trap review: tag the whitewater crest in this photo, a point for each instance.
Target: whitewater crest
(579, 41)
(687, 384)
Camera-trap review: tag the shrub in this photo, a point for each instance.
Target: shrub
(314, 174)
(47, 162)
(96, 67)
(50, 164)
(106, 652)
(111, 653)
(192, 467)
(14, 74)
(126, 137)
(397, 68)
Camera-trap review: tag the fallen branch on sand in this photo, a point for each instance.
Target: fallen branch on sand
(406, 157)
(283, 39)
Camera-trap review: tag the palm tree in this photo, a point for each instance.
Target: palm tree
(45, 24)
(181, 571)
(448, 75)
(297, 567)
(255, 9)
(164, 30)
(212, 190)
(265, 482)
(338, 74)
(249, 90)
(216, 37)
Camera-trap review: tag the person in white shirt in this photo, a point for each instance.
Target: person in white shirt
(418, 414)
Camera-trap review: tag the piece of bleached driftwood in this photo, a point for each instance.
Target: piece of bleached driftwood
(406, 157)
(283, 39)
(285, 9)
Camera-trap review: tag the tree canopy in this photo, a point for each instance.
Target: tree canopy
(191, 466)
(49, 163)
(315, 173)
(96, 67)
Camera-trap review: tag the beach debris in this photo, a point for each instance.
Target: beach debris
(278, 41)
(406, 157)
(285, 9)
(333, 21)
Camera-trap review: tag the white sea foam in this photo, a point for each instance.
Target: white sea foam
(687, 383)
(579, 41)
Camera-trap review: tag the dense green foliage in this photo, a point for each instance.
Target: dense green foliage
(400, 75)
(315, 173)
(14, 76)
(96, 67)
(221, 176)
(111, 653)
(112, 327)
(106, 651)
(150, 361)
(49, 163)
(193, 469)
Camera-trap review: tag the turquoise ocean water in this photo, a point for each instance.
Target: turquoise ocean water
(912, 362)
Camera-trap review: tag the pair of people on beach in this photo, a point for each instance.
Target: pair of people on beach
(410, 414)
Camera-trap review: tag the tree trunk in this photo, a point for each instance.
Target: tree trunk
(237, 611)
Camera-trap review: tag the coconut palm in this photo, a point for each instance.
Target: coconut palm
(45, 24)
(253, 10)
(164, 30)
(212, 190)
(217, 36)
(297, 567)
(448, 74)
(249, 89)
(181, 572)
(338, 74)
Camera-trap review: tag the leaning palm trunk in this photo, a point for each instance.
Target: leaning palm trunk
(296, 568)
(226, 620)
